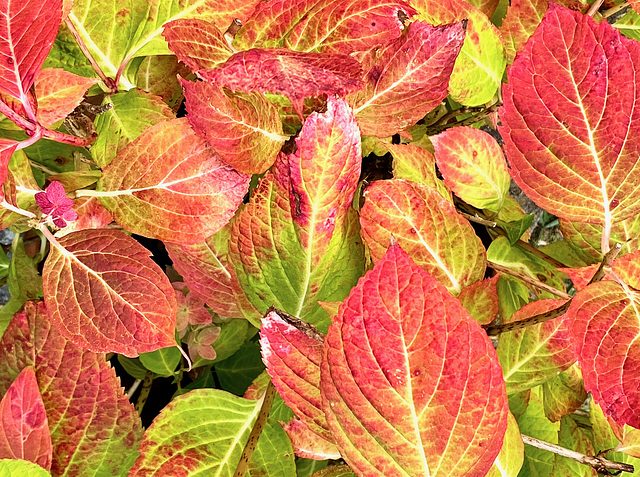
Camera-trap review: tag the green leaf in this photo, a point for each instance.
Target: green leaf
(203, 431)
(564, 393)
(629, 25)
(273, 455)
(21, 468)
(133, 367)
(509, 461)
(238, 372)
(163, 361)
(4, 264)
(233, 334)
(306, 467)
(512, 295)
(573, 437)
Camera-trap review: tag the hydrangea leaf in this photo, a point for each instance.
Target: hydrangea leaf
(295, 75)
(575, 162)
(327, 26)
(7, 147)
(130, 113)
(572, 436)
(25, 429)
(273, 455)
(604, 319)
(115, 32)
(59, 93)
(205, 269)
(94, 428)
(170, 185)
(511, 456)
(473, 166)
(244, 128)
(27, 32)
(204, 430)
(478, 70)
(488, 7)
(23, 468)
(407, 78)
(91, 215)
(197, 43)
(296, 241)
(163, 361)
(427, 226)
(307, 444)
(480, 299)
(159, 75)
(128, 305)
(335, 471)
(410, 383)
(563, 393)
(627, 269)
(537, 353)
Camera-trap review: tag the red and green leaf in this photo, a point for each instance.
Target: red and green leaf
(563, 394)
(94, 428)
(407, 78)
(170, 185)
(569, 123)
(243, 128)
(296, 241)
(480, 299)
(427, 226)
(410, 382)
(105, 294)
(24, 433)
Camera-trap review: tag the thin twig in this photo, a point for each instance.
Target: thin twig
(261, 421)
(607, 260)
(133, 388)
(595, 7)
(477, 219)
(600, 464)
(529, 280)
(144, 392)
(613, 10)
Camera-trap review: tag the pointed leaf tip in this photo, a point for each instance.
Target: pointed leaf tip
(410, 383)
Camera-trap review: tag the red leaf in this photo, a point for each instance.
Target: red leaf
(308, 444)
(94, 428)
(480, 299)
(205, 269)
(627, 269)
(410, 383)
(245, 129)
(27, 31)
(197, 43)
(24, 433)
(570, 124)
(293, 362)
(105, 294)
(292, 74)
(604, 324)
(326, 26)
(408, 78)
(580, 276)
(7, 147)
(59, 93)
(170, 185)
(91, 215)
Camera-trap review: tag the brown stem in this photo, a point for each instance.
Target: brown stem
(493, 330)
(144, 392)
(595, 7)
(600, 464)
(261, 421)
(528, 279)
(531, 249)
(613, 10)
(67, 138)
(477, 219)
(16, 118)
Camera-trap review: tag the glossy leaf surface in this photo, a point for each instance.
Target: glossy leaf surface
(244, 128)
(94, 428)
(296, 241)
(410, 382)
(427, 227)
(407, 78)
(170, 185)
(569, 122)
(25, 429)
(125, 305)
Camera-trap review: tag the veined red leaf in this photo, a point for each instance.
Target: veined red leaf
(480, 299)
(569, 123)
(479, 67)
(159, 75)
(488, 7)
(627, 269)
(91, 215)
(426, 226)
(328, 26)
(410, 383)
(244, 128)
(296, 242)
(205, 269)
(563, 394)
(473, 166)
(197, 43)
(59, 93)
(307, 444)
(170, 185)
(293, 74)
(293, 360)
(533, 355)
(604, 321)
(105, 294)
(24, 433)
(94, 428)
(27, 31)
(407, 78)
(7, 147)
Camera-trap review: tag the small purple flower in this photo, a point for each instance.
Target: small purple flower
(54, 203)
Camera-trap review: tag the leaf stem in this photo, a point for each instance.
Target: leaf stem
(613, 10)
(261, 421)
(599, 464)
(144, 392)
(16, 118)
(477, 219)
(133, 388)
(17, 210)
(529, 280)
(595, 6)
(494, 330)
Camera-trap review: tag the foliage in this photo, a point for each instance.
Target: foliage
(356, 282)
